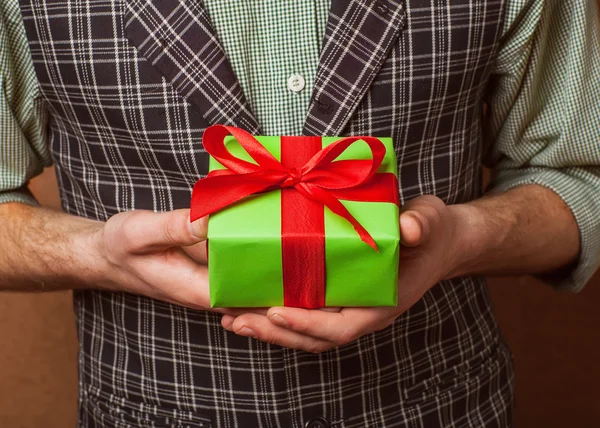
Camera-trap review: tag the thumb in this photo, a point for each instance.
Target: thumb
(145, 231)
(414, 228)
(198, 228)
(419, 217)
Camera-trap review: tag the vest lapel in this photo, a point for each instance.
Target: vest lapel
(177, 38)
(357, 40)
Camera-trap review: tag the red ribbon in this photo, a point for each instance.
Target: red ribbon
(310, 178)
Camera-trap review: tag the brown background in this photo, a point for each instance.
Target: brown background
(553, 337)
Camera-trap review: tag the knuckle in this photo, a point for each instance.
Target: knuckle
(271, 339)
(302, 328)
(317, 348)
(192, 298)
(171, 229)
(428, 206)
(304, 324)
(435, 215)
(130, 234)
(434, 207)
(348, 335)
(432, 200)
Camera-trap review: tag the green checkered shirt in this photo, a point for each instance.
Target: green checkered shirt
(544, 117)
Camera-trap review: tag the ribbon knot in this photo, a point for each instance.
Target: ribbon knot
(294, 178)
(320, 179)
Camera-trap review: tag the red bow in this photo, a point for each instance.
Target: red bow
(321, 179)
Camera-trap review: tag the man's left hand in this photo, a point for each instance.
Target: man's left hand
(430, 235)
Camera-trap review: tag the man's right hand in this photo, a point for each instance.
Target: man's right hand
(159, 255)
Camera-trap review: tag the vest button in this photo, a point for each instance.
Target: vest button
(323, 106)
(317, 423)
(382, 8)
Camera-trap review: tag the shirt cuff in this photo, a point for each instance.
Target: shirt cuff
(580, 190)
(24, 196)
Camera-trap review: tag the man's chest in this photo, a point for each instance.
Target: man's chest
(132, 85)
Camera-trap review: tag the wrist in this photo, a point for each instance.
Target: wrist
(469, 239)
(88, 268)
(46, 250)
(68, 253)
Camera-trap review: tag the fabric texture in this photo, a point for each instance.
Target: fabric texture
(127, 109)
(543, 125)
(544, 122)
(125, 133)
(23, 141)
(267, 42)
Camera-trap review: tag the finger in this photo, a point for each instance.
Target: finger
(197, 252)
(330, 309)
(259, 327)
(417, 218)
(234, 312)
(227, 320)
(412, 228)
(338, 327)
(144, 231)
(175, 278)
(198, 228)
(179, 280)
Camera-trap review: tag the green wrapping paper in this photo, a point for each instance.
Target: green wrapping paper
(245, 249)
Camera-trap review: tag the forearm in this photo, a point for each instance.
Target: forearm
(43, 250)
(527, 230)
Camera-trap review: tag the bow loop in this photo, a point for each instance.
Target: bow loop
(330, 173)
(213, 141)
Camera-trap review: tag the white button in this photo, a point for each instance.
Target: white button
(296, 83)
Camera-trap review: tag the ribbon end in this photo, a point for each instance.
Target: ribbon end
(371, 243)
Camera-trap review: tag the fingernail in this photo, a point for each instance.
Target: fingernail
(416, 219)
(197, 229)
(278, 319)
(228, 323)
(245, 331)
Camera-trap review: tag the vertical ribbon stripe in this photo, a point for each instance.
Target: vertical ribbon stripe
(302, 232)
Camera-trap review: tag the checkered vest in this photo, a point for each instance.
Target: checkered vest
(131, 85)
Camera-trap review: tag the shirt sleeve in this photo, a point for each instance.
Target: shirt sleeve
(544, 114)
(23, 143)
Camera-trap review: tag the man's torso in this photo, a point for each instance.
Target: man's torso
(130, 87)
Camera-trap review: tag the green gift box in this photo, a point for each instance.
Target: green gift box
(278, 246)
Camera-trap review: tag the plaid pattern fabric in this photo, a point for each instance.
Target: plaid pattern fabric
(169, 36)
(350, 60)
(128, 108)
(543, 122)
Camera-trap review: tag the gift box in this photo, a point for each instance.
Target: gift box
(299, 221)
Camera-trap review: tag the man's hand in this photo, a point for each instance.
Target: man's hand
(160, 255)
(526, 230)
(428, 229)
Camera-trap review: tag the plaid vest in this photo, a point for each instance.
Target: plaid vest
(130, 87)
